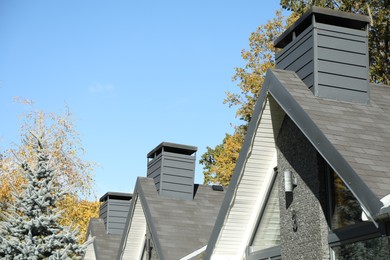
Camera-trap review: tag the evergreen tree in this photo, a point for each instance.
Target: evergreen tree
(32, 231)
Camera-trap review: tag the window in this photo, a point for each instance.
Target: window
(344, 210)
(377, 248)
(350, 237)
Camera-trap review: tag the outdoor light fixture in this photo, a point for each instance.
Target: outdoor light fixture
(289, 181)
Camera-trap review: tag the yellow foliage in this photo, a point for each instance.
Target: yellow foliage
(77, 212)
(219, 162)
(74, 174)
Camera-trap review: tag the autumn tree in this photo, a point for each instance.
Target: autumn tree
(219, 162)
(30, 229)
(260, 57)
(64, 145)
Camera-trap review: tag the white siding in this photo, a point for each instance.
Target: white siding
(136, 235)
(90, 252)
(251, 191)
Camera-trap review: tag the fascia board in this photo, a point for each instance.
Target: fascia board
(150, 223)
(369, 202)
(238, 170)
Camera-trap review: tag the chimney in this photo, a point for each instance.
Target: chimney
(328, 50)
(113, 210)
(172, 166)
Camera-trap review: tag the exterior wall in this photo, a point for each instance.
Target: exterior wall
(173, 174)
(331, 60)
(298, 56)
(154, 170)
(114, 213)
(307, 236)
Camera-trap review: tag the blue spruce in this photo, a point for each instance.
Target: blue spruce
(32, 230)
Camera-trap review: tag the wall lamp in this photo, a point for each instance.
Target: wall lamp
(290, 182)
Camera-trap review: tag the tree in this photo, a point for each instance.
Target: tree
(31, 230)
(379, 40)
(64, 145)
(260, 57)
(219, 162)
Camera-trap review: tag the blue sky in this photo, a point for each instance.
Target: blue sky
(134, 73)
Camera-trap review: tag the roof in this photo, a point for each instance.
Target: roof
(178, 227)
(105, 245)
(353, 138)
(361, 133)
(324, 15)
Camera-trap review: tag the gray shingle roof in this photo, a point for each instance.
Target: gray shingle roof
(361, 133)
(105, 245)
(180, 226)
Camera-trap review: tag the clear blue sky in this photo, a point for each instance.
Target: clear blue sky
(134, 73)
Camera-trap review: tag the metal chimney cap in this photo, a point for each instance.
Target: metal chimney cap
(116, 196)
(172, 147)
(322, 15)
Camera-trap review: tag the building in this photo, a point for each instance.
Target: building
(312, 180)
(107, 230)
(168, 217)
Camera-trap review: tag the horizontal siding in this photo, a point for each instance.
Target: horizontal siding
(179, 163)
(342, 63)
(177, 187)
(154, 167)
(168, 178)
(326, 41)
(358, 59)
(286, 51)
(346, 70)
(298, 55)
(342, 30)
(340, 81)
(117, 211)
(136, 234)
(174, 171)
(249, 192)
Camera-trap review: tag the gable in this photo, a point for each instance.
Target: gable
(132, 243)
(283, 92)
(247, 192)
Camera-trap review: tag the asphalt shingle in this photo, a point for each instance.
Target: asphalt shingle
(360, 132)
(182, 226)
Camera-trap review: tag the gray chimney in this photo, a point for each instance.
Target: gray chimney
(113, 210)
(328, 50)
(172, 166)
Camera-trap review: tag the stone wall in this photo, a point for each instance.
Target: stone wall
(304, 229)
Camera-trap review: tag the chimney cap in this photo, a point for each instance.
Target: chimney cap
(323, 15)
(172, 147)
(116, 196)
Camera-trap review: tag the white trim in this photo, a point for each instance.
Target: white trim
(195, 253)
